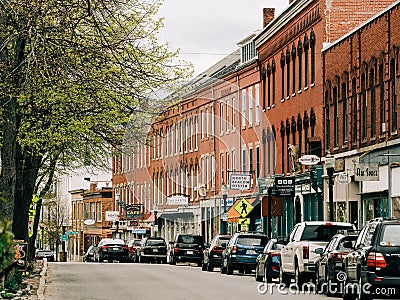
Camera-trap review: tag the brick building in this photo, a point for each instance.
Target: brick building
(361, 76)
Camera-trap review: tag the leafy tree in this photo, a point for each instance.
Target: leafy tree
(73, 74)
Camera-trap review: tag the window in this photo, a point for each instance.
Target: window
(328, 121)
(233, 160)
(251, 162)
(250, 98)
(306, 59)
(98, 211)
(233, 113)
(207, 124)
(222, 118)
(364, 107)
(196, 133)
(244, 159)
(293, 69)
(283, 76)
(257, 104)
(393, 95)
(287, 73)
(221, 161)
(248, 52)
(312, 45)
(244, 108)
(203, 122)
(227, 120)
(354, 109)
(335, 117)
(86, 210)
(373, 102)
(345, 113)
(382, 100)
(258, 158)
(93, 210)
(299, 54)
(273, 83)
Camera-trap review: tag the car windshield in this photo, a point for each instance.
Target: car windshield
(391, 235)
(190, 239)
(252, 241)
(322, 233)
(223, 240)
(112, 241)
(155, 242)
(351, 239)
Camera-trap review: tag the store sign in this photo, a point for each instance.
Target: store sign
(366, 172)
(285, 186)
(112, 215)
(178, 200)
(239, 182)
(309, 160)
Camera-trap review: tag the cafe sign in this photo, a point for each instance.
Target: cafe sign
(366, 172)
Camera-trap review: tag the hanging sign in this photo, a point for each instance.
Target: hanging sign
(366, 172)
(309, 160)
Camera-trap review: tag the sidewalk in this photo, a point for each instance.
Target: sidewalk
(33, 285)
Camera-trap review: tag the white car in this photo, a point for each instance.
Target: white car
(298, 256)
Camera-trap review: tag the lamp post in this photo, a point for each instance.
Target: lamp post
(329, 160)
(224, 191)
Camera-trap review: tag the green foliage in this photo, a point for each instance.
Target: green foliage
(6, 244)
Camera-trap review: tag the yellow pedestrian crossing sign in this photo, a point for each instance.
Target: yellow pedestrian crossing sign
(243, 207)
(244, 221)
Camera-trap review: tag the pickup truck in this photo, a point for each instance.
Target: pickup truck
(298, 257)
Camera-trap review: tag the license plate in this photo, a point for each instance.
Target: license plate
(155, 250)
(189, 252)
(115, 249)
(251, 252)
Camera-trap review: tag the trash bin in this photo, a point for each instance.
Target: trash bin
(62, 256)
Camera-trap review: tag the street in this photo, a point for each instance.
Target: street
(109, 281)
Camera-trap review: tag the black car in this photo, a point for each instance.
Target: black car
(269, 261)
(212, 254)
(330, 262)
(89, 254)
(110, 250)
(242, 252)
(44, 254)
(372, 267)
(187, 248)
(152, 249)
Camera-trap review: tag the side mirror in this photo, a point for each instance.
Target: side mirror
(319, 251)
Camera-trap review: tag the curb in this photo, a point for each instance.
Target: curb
(42, 283)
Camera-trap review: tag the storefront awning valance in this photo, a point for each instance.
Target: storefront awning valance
(175, 216)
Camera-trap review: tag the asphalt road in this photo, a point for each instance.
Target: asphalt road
(117, 281)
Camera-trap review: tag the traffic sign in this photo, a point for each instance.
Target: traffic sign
(64, 238)
(71, 232)
(244, 221)
(243, 207)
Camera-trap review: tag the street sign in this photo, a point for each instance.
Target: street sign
(244, 221)
(239, 181)
(243, 207)
(64, 238)
(285, 186)
(71, 232)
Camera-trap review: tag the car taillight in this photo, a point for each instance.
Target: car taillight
(234, 249)
(142, 249)
(104, 247)
(338, 256)
(274, 253)
(125, 247)
(306, 252)
(176, 249)
(214, 248)
(376, 260)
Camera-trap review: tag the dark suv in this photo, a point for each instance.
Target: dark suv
(372, 267)
(187, 248)
(242, 252)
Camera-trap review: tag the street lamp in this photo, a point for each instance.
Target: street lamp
(329, 160)
(224, 191)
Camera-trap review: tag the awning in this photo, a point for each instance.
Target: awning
(233, 215)
(175, 216)
(151, 218)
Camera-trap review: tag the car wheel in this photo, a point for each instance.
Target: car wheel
(258, 277)
(229, 269)
(299, 278)
(172, 260)
(318, 283)
(223, 268)
(267, 278)
(203, 266)
(284, 278)
(210, 267)
(361, 294)
(199, 263)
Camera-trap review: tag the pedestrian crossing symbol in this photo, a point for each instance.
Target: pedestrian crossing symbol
(243, 207)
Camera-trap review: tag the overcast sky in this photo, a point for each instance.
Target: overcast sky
(206, 31)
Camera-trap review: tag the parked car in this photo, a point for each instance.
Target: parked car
(47, 254)
(298, 255)
(374, 262)
(187, 248)
(152, 249)
(89, 254)
(132, 246)
(111, 249)
(212, 254)
(330, 262)
(242, 252)
(269, 261)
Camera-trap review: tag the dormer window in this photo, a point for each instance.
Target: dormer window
(248, 52)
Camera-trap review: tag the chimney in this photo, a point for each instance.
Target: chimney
(93, 187)
(268, 16)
